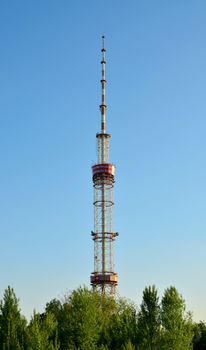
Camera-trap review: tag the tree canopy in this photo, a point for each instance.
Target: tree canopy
(85, 320)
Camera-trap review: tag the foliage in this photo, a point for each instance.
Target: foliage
(86, 320)
(128, 346)
(42, 333)
(176, 323)
(149, 320)
(199, 339)
(122, 325)
(82, 319)
(12, 324)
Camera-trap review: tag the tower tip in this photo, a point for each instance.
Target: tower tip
(103, 37)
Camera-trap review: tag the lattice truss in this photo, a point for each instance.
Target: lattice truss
(104, 236)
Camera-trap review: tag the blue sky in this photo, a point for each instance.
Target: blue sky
(49, 97)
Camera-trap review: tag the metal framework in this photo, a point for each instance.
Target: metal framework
(103, 279)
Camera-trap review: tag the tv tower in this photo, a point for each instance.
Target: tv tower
(103, 279)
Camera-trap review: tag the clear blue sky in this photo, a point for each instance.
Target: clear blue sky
(49, 97)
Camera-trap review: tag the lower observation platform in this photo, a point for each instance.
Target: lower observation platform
(100, 278)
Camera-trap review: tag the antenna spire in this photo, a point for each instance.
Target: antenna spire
(103, 82)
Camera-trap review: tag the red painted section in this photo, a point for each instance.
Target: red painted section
(103, 169)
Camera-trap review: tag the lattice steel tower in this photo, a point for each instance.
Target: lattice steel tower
(103, 279)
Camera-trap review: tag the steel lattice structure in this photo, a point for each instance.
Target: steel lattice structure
(103, 279)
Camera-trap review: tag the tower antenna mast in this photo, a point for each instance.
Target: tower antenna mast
(103, 82)
(103, 278)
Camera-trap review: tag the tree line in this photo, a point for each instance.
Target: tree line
(85, 320)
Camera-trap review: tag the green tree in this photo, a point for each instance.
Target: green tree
(149, 320)
(12, 324)
(177, 331)
(56, 308)
(123, 324)
(82, 320)
(199, 339)
(107, 311)
(42, 333)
